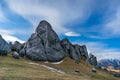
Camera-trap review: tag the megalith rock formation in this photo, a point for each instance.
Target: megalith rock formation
(43, 45)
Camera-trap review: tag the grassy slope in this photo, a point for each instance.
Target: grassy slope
(69, 66)
(12, 69)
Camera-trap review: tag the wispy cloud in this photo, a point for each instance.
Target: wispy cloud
(113, 26)
(5, 32)
(110, 26)
(58, 13)
(8, 36)
(12, 39)
(2, 17)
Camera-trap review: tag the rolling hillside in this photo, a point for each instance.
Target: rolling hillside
(23, 69)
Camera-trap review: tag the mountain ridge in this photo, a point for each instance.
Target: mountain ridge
(109, 64)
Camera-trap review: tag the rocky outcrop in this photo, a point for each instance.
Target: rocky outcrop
(92, 59)
(43, 45)
(70, 50)
(3, 53)
(22, 52)
(17, 46)
(81, 50)
(74, 51)
(4, 46)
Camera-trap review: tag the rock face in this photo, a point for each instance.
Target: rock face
(17, 46)
(94, 70)
(4, 46)
(92, 59)
(74, 51)
(43, 45)
(3, 53)
(70, 50)
(15, 55)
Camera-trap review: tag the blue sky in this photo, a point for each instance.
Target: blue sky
(94, 23)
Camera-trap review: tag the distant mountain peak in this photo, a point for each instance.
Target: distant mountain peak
(106, 63)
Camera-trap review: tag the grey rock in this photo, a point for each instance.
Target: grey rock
(15, 55)
(81, 51)
(70, 50)
(94, 70)
(43, 45)
(3, 53)
(77, 71)
(74, 51)
(17, 46)
(22, 52)
(92, 59)
(4, 46)
(35, 49)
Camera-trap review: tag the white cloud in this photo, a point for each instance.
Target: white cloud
(5, 32)
(72, 34)
(7, 35)
(35, 12)
(110, 26)
(2, 17)
(10, 38)
(57, 13)
(113, 26)
(109, 54)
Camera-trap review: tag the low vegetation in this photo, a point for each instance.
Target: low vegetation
(20, 69)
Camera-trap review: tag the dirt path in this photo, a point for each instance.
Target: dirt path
(47, 67)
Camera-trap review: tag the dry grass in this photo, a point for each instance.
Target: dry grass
(69, 66)
(19, 69)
